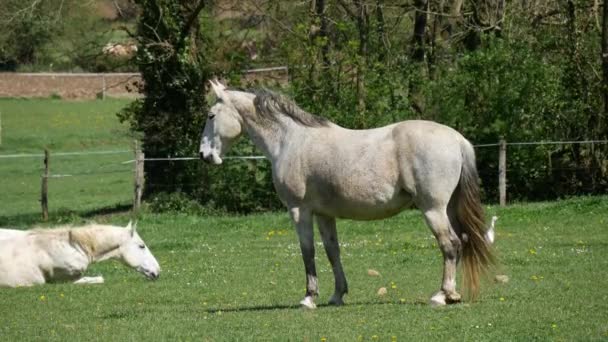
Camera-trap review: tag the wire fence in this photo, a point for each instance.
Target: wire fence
(110, 175)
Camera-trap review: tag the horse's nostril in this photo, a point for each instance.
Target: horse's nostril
(200, 154)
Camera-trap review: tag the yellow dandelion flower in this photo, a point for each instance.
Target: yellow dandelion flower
(502, 299)
(553, 325)
(532, 251)
(61, 295)
(393, 338)
(42, 298)
(323, 339)
(374, 337)
(402, 300)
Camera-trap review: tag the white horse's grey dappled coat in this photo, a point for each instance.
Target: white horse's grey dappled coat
(39, 256)
(325, 171)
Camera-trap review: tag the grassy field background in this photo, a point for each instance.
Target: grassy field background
(96, 181)
(241, 277)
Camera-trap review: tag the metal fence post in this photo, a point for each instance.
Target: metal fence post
(44, 200)
(502, 172)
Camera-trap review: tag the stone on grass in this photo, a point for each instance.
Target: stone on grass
(501, 278)
(373, 273)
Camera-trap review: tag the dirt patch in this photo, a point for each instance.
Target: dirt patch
(76, 86)
(69, 86)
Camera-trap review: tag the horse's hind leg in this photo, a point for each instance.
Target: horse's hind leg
(450, 245)
(327, 228)
(302, 219)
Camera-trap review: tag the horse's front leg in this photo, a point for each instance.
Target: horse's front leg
(90, 280)
(327, 228)
(302, 219)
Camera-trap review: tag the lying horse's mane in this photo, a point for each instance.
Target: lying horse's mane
(269, 105)
(85, 239)
(82, 235)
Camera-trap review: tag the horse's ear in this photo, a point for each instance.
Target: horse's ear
(132, 227)
(218, 89)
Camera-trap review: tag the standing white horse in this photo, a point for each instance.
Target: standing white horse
(49, 255)
(325, 171)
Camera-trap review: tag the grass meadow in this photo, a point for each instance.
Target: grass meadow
(241, 277)
(94, 181)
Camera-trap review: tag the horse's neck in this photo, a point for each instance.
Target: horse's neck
(270, 136)
(100, 243)
(269, 139)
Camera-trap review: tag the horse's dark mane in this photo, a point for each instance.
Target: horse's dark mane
(269, 105)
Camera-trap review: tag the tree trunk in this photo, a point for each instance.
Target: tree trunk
(455, 17)
(381, 31)
(605, 56)
(321, 31)
(488, 17)
(420, 21)
(363, 26)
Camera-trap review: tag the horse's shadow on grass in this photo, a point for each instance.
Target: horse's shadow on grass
(62, 215)
(256, 308)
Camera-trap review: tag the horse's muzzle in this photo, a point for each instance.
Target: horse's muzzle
(207, 158)
(153, 275)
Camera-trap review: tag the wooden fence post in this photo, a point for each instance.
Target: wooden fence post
(44, 200)
(103, 88)
(139, 177)
(502, 172)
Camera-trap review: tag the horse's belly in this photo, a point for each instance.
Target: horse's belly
(364, 208)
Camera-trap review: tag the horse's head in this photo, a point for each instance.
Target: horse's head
(224, 125)
(134, 252)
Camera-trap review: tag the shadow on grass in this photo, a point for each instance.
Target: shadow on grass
(61, 216)
(255, 308)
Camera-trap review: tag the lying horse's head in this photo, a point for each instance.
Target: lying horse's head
(134, 253)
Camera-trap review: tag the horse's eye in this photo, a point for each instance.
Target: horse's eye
(211, 116)
(142, 246)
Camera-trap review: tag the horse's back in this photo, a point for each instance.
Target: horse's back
(11, 233)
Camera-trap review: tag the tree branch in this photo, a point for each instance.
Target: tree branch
(192, 19)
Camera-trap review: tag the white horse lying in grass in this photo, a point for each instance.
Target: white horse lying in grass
(39, 256)
(323, 171)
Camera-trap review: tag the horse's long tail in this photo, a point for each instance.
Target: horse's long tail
(477, 252)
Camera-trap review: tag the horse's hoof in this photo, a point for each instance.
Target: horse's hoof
(336, 300)
(453, 297)
(438, 299)
(308, 303)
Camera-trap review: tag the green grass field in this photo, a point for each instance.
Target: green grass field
(241, 277)
(95, 181)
